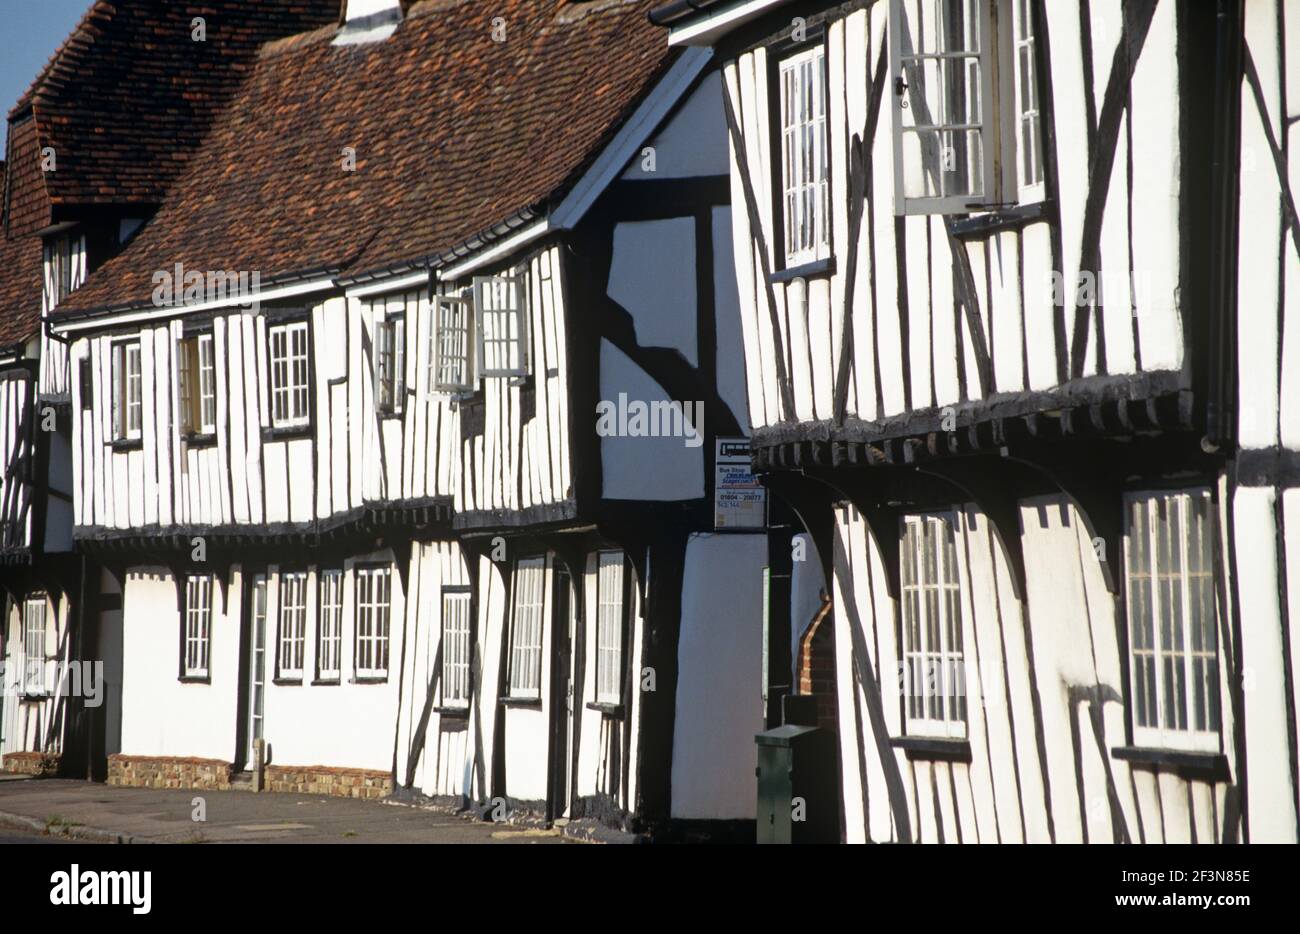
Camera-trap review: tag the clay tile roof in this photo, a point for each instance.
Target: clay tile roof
(20, 284)
(130, 93)
(454, 133)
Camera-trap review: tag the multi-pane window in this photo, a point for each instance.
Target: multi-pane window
(502, 317)
(293, 624)
(289, 375)
(804, 176)
(34, 629)
(60, 260)
(449, 356)
(934, 683)
(1029, 156)
(197, 374)
(198, 625)
(526, 628)
(128, 403)
(329, 632)
(609, 627)
(455, 647)
(374, 610)
(1173, 639)
(390, 363)
(960, 144)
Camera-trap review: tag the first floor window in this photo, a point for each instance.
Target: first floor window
(329, 634)
(61, 255)
(804, 175)
(455, 647)
(449, 357)
(289, 375)
(502, 313)
(609, 627)
(293, 624)
(34, 629)
(934, 695)
(960, 144)
(198, 625)
(1172, 616)
(390, 370)
(128, 404)
(197, 373)
(374, 607)
(526, 628)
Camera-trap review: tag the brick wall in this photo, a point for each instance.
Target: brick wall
(167, 772)
(31, 763)
(322, 780)
(817, 665)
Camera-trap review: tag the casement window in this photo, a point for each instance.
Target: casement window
(289, 375)
(390, 364)
(374, 612)
(61, 255)
(966, 112)
(329, 631)
(35, 621)
(455, 647)
(197, 375)
(1029, 134)
(450, 360)
(609, 627)
(293, 624)
(502, 317)
(526, 628)
(1172, 618)
(128, 404)
(934, 683)
(198, 626)
(805, 196)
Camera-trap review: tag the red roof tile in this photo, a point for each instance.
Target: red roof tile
(454, 133)
(20, 284)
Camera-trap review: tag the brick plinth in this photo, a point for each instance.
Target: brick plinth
(168, 772)
(31, 763)
(324, 780)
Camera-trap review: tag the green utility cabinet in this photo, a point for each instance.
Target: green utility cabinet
(796, 785)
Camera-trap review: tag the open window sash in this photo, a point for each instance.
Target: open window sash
(502, 325)
(946, 86)
(453, 357)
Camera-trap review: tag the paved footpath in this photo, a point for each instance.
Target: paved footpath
(90, 811)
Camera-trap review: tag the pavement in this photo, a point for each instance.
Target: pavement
(56, 809)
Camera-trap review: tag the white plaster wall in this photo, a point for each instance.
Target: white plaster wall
(693, 142)
(161, 716)
(645, 468)
(652, 275)
(719, 677)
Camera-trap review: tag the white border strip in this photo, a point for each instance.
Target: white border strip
(706, 29)
(169, 311)
(501, 248)
(389, 285)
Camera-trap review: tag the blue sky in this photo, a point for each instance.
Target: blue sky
(31, 32)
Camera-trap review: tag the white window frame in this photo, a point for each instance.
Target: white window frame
(62, 257)
(374, 597)
(999, 41)
(451, 344)
(35, 623)
(501, 325)
(1169, 566)
(804, 156)
(610, 619)
(197, 643)
(197, 378)
(128, 390)
(932, 611)
(329, 627)
(291, 644)
(390, 362)
(1028, 129)
(527, 627)
(456, 649)
(288, 357)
